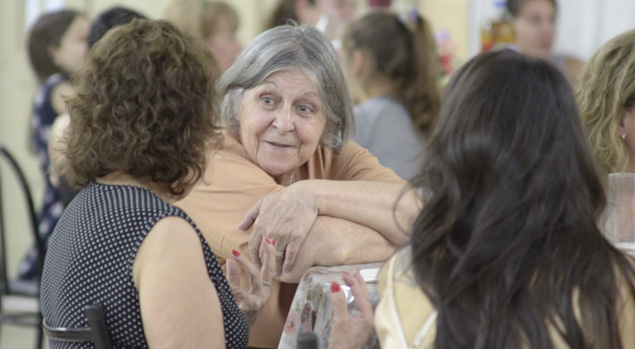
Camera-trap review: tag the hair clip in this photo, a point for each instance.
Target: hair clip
(410, 19)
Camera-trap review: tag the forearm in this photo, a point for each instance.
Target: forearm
(387, 208)
(333, 241)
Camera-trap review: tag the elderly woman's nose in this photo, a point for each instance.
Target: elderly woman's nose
(284, 120)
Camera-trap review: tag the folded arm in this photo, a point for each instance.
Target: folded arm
(333, 241)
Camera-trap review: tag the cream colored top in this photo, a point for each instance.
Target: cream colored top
(405, 317)
(233, 183)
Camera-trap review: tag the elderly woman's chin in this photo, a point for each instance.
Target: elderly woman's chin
(279, 168)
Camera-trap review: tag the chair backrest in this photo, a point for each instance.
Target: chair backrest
(9, 160)
(97, 332)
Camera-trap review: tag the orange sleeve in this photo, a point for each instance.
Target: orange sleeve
(355, 163)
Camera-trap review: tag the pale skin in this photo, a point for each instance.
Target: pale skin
(169, 271)
(351, 332)
(626, 129)
(281, 124)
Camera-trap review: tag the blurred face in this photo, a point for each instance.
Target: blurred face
(345, 9)
(535, 28)
(70, 53)
(224, 45)
(281, 122)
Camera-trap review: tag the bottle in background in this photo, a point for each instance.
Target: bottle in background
(498, 32)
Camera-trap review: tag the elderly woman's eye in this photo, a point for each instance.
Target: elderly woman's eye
(267, 100)
(305, 109)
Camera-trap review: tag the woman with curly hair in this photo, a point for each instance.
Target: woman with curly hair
(141, 122)
(606, 97)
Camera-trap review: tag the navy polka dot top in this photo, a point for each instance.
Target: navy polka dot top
(90, 259)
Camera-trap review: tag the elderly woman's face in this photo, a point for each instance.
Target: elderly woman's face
(281, 122)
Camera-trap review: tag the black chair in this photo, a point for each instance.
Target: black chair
(18, 288)
(97, 332)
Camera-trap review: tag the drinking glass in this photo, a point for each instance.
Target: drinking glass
(620, 228)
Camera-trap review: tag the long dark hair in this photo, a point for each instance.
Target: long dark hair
(507, 246)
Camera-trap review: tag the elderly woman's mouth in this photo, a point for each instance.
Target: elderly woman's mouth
(280, 145)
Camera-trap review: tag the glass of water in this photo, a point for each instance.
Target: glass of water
(620, 229)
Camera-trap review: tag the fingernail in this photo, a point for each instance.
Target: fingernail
(335, 287)
(267, 240)
(236, 253)
(273, 242)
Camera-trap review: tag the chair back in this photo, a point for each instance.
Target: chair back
(96, 332)
(16, 171)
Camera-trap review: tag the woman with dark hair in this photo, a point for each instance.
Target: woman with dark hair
(506, 252)
(56, 47)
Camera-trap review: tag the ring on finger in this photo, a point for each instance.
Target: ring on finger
(266, 283)
(279, 254)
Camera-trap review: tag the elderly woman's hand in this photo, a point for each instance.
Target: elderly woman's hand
(285, 216)
(251, 300)
(351, 332)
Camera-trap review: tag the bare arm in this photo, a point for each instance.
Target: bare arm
(56, 146)
(60, 93)
(169, 271)
(333, 241)
(288, 215)
(389, 209)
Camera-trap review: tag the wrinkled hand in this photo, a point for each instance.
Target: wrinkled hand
(285, 216)
(351, 332)
(251, 300)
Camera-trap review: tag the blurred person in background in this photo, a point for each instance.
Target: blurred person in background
(606, 98)
(213, 21)
(57, 45)
(105, 21)
(534, 24)
(391, 65)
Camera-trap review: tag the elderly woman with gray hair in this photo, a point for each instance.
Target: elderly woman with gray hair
(287, 171)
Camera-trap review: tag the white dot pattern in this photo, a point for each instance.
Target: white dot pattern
(90, 258)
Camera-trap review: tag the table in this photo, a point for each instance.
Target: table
(311, 309)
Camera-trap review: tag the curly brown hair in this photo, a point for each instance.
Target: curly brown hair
(145, 106)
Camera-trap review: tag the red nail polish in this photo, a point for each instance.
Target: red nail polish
(273, 242)
(267, 240)
(236, 253)
(335, 287)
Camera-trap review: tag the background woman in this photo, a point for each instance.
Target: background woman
(56, 46)
(392, 70)
(213, 21)
(142, 119)
(287, 170)
(535, 32)
(606, 96)
(105, 21)
(507, 252)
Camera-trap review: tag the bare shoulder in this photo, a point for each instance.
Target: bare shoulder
(172, 243)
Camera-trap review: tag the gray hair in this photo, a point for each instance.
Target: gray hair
(299, 48)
